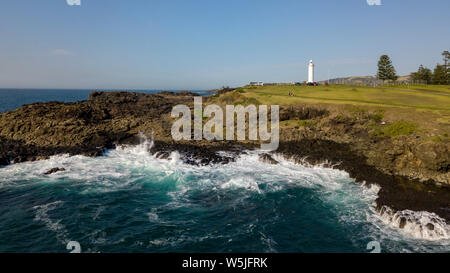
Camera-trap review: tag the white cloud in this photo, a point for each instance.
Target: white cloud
(374, 2)
(61, 52)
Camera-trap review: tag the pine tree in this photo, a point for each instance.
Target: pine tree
(423, 74)
(439, 75)
(386, 70)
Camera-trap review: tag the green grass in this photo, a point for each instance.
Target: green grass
(247, 101)
(307, 123)
(351, 95)
(397, 129)
(419, 87)
(385, 111)
(378, 115)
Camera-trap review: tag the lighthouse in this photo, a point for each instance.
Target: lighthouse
(311, 71)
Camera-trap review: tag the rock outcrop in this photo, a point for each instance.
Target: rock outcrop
(54, 170)
(267, 158)
(88, 127)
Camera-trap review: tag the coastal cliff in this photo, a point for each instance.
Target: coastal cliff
(413, 173)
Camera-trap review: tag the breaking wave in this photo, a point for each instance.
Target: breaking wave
(417, 224)
(129, 200)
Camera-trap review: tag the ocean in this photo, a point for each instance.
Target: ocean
(11, 99)
(130, 201)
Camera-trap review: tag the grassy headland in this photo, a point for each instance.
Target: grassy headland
(393, 110)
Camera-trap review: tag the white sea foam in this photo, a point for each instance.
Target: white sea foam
(98, 212)
(153, 216)
(125, 167)
(418, 224)
(52, 225)
(247, 183)
(41, 215)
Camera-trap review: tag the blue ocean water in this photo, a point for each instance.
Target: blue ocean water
(130, 201)
(11, 99)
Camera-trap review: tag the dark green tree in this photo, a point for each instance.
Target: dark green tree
(446, 55)
(386, 70)
(440, 75)
(423, 74)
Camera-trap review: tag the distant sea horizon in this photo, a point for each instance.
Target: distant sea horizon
(13, 98)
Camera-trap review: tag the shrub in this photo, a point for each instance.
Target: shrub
(399, 128)
(378, 115)
(247, 101)
(307, 123)
(358, 112)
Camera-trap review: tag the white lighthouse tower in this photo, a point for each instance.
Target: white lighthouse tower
(311, 71)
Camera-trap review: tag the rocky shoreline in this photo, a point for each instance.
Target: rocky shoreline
(412, 174)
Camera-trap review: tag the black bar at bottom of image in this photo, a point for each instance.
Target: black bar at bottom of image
(219, 262)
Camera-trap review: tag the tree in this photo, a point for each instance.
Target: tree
(439, 75)
(386, 70)
(423, 74)
(446, 55)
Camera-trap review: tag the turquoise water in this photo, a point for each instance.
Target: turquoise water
(129, 201)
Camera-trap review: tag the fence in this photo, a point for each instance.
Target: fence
(375, 83)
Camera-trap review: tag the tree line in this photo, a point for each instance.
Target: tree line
(440, 74)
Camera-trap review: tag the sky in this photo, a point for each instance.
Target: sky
(206, 44)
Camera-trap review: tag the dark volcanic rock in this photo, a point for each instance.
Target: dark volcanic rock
(402, 222)
(89, 127)
(298, 112)
(4, 161)
(54, 170)
(180, 93)
(198, 154)
(266, 158)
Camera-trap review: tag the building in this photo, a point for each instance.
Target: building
(256, 83)
(310, 72)
(279, 83)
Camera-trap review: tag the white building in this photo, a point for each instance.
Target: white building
(257, 84)
(311, 71)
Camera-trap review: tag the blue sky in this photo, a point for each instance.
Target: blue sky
(203, 44)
